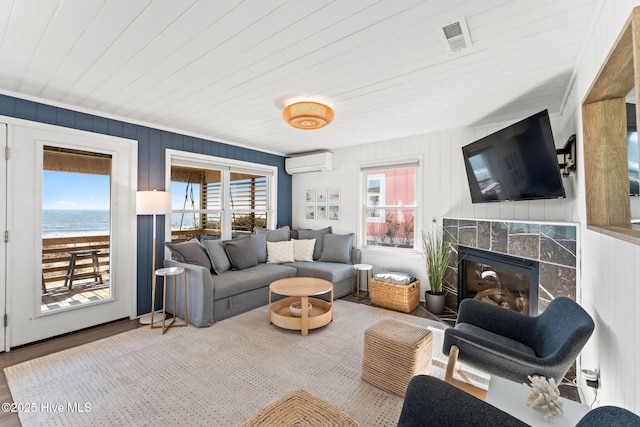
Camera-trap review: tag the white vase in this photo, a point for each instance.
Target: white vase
(296, 309)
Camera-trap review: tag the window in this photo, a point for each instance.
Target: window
(248, 201)
(219, 198)
(76, 227)
(196, 204)
(376, 190)
(390, 205)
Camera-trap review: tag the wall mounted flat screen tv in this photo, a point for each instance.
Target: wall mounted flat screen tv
(518, 162)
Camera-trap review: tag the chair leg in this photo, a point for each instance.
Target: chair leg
(452, 365)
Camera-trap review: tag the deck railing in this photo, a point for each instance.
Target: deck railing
(56, 252)
(56, 256)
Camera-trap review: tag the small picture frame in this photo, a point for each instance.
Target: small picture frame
(310, 195)
(321, 195)
(321, 212)
(333, 195)
(310, 212)
(334, 212)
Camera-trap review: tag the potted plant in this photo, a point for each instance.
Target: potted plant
(436, 253)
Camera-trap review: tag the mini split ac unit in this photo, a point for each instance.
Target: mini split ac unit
(309, 163)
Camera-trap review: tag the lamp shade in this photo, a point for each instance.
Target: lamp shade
(153, 202)
(307, 115)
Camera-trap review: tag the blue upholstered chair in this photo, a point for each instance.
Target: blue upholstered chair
(432, 402)
(513, 345)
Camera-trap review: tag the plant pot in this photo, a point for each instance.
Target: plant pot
(435, 302)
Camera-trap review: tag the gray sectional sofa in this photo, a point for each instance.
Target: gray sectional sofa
(234, 283)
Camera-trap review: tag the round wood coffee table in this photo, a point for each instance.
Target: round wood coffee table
(300, 289)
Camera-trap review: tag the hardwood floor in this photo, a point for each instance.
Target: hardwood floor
(53, 345)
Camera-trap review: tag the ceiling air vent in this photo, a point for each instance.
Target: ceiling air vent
(456, 35)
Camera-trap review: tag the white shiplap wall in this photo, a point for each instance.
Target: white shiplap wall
(610, 274)
(610, 271)
(444, 190)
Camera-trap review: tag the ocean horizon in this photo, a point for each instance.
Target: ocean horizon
(67, 222)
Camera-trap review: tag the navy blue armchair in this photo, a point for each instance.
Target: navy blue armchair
(432, 402)
(513, 345)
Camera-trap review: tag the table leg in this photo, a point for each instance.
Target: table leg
(184, 283)
(164, 304)
(331, 302)
(304, 324)
(175, 299)
(153, 298)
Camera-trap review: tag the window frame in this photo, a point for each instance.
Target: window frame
(226, 167)
(398, 163)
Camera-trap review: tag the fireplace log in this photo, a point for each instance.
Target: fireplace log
(506, 300)
(483, 280)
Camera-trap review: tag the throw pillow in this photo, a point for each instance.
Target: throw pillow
(337, 248)
(190, 252)
(315, 234)
(218, 256)
(260, 244)
(279, 252)
(278, 235)
(303, 249)
(241, 253)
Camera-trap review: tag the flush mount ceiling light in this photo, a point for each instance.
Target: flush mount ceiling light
(307, 115)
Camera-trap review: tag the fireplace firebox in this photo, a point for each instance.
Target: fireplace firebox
(508, 281)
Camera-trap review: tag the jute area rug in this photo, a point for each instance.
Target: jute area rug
(214, 376)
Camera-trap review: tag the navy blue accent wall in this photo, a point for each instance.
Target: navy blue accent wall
(151, 166)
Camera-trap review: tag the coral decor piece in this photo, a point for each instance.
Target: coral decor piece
(546, 396)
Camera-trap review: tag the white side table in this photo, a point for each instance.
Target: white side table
(511, 397)
(368, 269)
(166, 273)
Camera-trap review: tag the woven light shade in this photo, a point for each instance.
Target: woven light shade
(307, 115)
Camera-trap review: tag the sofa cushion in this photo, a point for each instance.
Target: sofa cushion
(337, 248)
(305, 234)
(218, 256)
(278, 235)
(303, 249)
(241, 253)
(260, 244)
(190, 252)
(238, 281)
(280, 252)
(330, 271)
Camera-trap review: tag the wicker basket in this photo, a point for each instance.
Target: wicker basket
(396, 297)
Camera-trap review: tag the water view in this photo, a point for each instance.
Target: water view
(59, 222)
(65, 222)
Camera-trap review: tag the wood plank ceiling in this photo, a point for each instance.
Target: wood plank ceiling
(225, 69)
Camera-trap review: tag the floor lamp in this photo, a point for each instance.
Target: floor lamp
(153, 203)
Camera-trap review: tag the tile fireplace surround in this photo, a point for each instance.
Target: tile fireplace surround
(554, 245)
